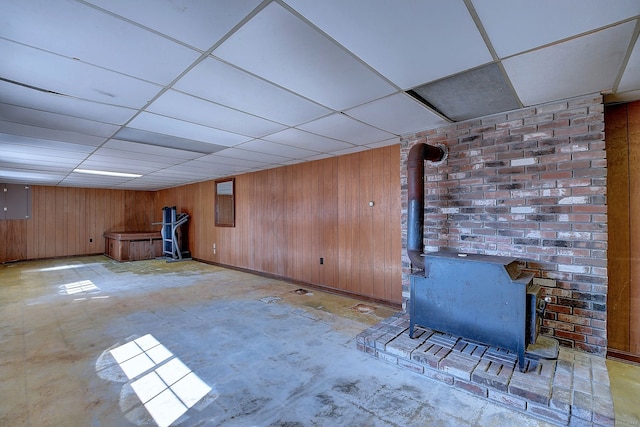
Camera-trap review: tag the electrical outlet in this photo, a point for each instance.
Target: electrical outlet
(321, 261)
(214, 248)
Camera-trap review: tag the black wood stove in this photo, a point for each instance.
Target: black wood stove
(483, 298)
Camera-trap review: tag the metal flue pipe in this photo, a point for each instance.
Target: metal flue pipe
(418, 154)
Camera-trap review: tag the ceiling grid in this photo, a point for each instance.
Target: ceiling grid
(190, 90)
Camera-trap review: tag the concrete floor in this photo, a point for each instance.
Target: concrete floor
(92, 342)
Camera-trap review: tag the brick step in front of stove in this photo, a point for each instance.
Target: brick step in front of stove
(572, 390)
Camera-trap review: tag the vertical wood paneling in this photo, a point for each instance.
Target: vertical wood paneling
(365, 214)
(286, 220)
(82, 240)
(39, 218)
(15, 239)
(290, 217)
(623, 179)
(64, 219)
(100, 205)
(346, 253)
(379, 211)
(393, 244)
(329, 245)
(4, 230)
(280, 235)
(244, 206)
(90, 210)
(312, 222)
(634, 229)
(53, 232)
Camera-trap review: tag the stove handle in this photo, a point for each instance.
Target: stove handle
(542, 306)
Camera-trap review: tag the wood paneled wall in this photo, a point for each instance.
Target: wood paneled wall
(70, 221)
(623, 162)
(288, 218)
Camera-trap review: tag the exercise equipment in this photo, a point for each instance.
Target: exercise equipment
(171, 239)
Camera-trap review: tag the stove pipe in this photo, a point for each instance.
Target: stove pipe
(415, 209)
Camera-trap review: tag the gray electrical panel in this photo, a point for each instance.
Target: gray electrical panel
(15, 201)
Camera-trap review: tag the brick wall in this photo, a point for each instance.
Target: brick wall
(530, 184)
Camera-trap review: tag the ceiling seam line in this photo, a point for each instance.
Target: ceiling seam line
(197, 61)
(570, 38)
(138, 25)
(625, 62)
(399, 90)
(487, 41)
(339, 45)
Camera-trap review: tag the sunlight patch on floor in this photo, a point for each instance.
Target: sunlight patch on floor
(78, 287)
(168, 387)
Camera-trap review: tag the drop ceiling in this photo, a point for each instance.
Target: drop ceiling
(190, 90)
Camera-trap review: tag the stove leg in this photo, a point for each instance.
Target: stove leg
(521, 361)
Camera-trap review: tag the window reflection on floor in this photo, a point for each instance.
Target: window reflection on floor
(165, 385)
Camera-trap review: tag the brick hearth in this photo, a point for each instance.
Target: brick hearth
(574, 389)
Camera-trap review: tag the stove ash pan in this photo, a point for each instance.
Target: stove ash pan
(483, 298)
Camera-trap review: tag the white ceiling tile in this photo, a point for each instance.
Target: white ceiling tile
(34, 177)
(161, 177)
(8, 140)
(310, 141)
(197, 23)
(74, 78)
(185, 107)
(88, 35)
(146, 149)
(398, 114)
(41, 156)
(319, 156)
(283, 49)
(570, 68)
(92, 181)
(30, 98)
(190, 167)
(147, 185)
(161, 140)
(254, 156)
(344, 128)
(215, 169)
(216, 159)
(221, 83)
(181, 129)
(273, 64)
(50, 134)
(631, 77)
(401, 39)
(113, 165)
(36, 166)
(48, 120)
(517, 25)
(134, 147)
(176, 173)
(354, 149)
(268, 147)
(129, 157)
(386, 143)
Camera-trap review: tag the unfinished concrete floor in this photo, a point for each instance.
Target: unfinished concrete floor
(92, 342)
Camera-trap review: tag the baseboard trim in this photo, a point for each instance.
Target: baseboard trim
(390, 304)
(623, 355)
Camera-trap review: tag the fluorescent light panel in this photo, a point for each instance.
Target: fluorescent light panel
(108, 173)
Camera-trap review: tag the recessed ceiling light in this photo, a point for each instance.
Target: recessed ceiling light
(108, 173)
